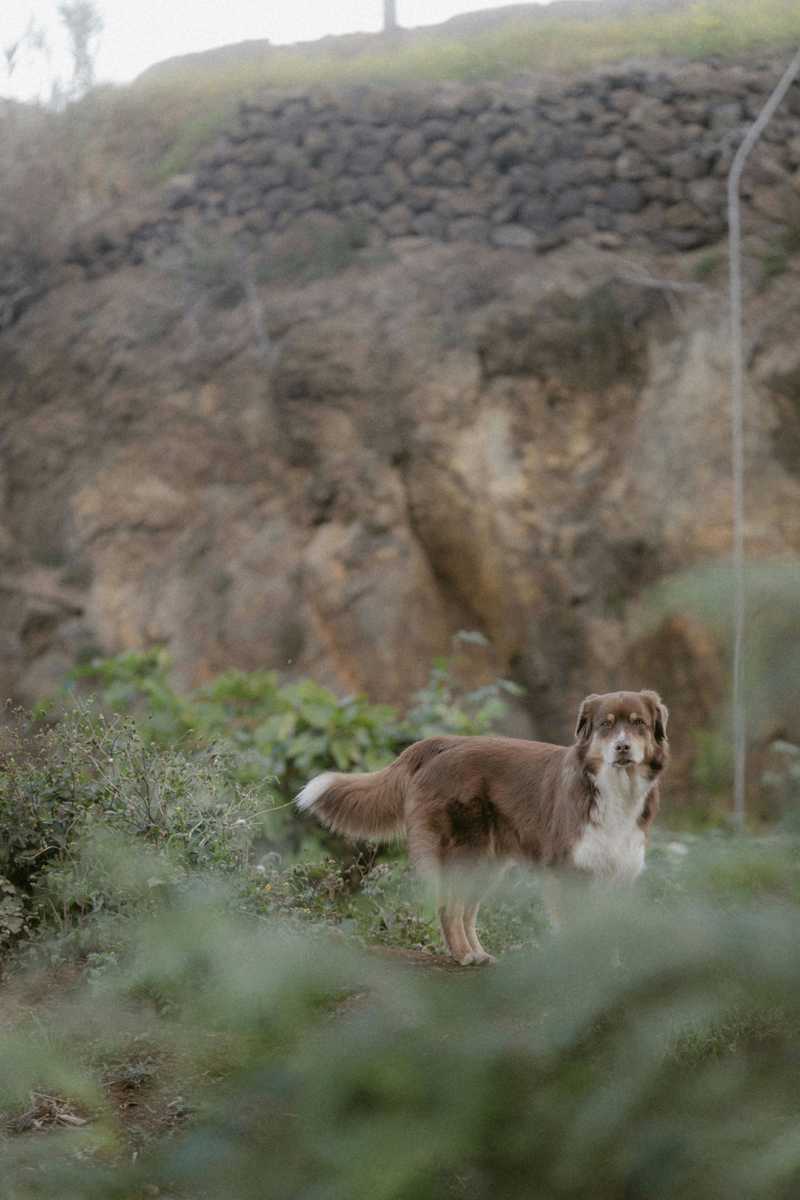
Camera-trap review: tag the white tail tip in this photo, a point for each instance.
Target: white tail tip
(315, 788)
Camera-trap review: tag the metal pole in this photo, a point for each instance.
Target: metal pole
(737, 432)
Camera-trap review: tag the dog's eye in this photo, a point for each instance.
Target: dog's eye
(607, 723)
(639, 721)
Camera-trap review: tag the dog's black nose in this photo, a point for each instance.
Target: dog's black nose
(623, 747)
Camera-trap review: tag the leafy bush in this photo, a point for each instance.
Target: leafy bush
(63, 787)
(288, 732)
(100, 874)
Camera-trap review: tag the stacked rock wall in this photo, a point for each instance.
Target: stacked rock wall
(624, 156)
(629, 153)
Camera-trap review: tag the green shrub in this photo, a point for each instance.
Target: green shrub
(288, 732)
(100, 874)
(66, 787)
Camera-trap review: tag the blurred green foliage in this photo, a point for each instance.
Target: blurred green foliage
(712, 767)
(648, 1052)
(781, 780)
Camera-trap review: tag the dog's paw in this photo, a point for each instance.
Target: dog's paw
(477, 958)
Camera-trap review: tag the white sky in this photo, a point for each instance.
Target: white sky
(138, 33)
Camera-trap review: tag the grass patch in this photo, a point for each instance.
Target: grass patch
(541, 42)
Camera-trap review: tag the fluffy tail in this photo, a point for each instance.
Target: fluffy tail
(360, 806)
(369, 805)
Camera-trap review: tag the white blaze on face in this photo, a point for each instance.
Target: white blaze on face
(622, 735)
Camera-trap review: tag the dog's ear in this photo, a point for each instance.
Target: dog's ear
(660, 714)
(583, 729)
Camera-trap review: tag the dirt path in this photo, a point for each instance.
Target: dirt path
(420, 960)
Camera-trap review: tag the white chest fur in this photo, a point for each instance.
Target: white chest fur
(612, 844)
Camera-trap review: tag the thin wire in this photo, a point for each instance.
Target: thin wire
(737, 432)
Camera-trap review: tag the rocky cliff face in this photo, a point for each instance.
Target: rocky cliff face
(331, 477)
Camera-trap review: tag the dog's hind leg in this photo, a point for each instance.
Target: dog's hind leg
(470, 917)
(452, 896)
(460, 899)
(481, 884)
(451, 916)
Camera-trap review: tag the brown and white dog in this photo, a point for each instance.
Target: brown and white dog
(485, 802)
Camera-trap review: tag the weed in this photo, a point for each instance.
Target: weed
(210, 266)
(316, 250)
(707, 265)
(778, 256)
(70, 792)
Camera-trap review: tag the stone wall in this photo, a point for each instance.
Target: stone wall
(625, 155)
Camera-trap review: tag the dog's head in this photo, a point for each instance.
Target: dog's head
(623, 729)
